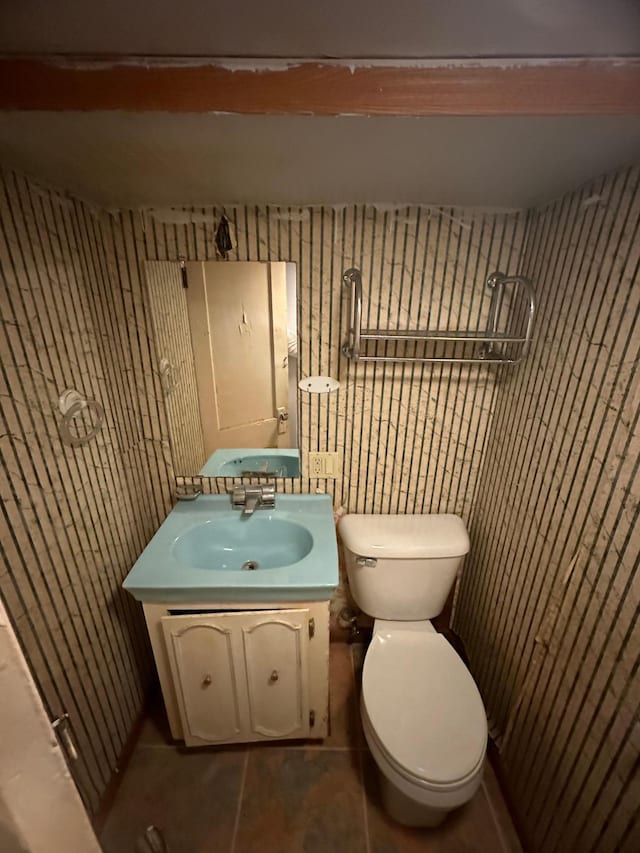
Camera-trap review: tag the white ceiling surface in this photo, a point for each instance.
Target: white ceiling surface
(158, 159)
(330, 28)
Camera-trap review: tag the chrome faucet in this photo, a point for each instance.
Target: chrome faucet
(250, 498)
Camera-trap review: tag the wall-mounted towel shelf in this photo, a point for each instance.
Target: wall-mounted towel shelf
(505, 341)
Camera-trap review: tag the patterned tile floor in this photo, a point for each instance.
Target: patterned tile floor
(278, 798)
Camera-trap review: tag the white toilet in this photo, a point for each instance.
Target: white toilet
(422, 714)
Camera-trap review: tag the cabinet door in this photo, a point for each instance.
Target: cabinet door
(206, 678)
(240, 676)
(275, 652)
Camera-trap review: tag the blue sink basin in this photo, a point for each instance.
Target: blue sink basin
(233, 462)
(264, 543)
(205, 551)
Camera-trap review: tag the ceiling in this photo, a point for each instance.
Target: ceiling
(158, 159)
(120, 159)
(331, 28)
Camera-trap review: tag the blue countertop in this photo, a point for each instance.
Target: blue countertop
(167, 571)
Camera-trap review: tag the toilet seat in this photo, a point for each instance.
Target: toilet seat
(422, 708)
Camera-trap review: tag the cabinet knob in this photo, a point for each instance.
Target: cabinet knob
(274, 675)
(206, 681)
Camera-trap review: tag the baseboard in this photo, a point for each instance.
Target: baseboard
(493, 754)
(106, 803)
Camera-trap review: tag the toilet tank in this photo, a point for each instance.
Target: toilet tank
(402, 567)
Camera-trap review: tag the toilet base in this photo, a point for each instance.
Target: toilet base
(406, 811)
(410, 804)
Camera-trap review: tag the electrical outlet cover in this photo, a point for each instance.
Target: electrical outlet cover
(324, 465)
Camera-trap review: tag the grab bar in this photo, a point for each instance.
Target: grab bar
(352, 279)
(521, 280)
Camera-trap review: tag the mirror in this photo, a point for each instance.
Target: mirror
(226, 346)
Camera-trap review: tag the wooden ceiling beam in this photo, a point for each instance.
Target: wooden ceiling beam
(510, 87)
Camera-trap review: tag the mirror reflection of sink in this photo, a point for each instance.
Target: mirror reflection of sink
(251, 462)
(206, 551)
(231, 544)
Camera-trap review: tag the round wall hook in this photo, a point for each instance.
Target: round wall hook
(69, 400)
(81, 418)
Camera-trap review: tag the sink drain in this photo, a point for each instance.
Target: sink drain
(251, 565)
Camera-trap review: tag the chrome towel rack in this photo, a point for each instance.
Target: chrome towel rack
(499, 344)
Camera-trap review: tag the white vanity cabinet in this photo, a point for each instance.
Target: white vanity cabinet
(230, 674)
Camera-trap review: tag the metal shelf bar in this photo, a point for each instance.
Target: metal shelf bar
(414, 360)
(472, 337)
(486, 353)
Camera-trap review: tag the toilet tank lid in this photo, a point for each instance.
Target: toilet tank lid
(405, 536)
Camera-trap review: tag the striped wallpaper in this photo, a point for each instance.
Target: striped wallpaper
(175, 363)
(73, 520)
(548, 607)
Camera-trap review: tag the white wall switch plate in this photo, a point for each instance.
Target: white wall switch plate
(325, 465)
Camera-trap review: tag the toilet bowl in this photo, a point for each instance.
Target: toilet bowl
(423, 720)
(422, 714)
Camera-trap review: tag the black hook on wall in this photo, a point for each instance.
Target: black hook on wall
(223, 238)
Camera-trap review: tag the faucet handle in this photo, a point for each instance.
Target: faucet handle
(268, 494)
(238, 496)
(263, 496)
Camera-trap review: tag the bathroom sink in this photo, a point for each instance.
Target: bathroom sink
(236, 462)
(256, 543)
(207, 551)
